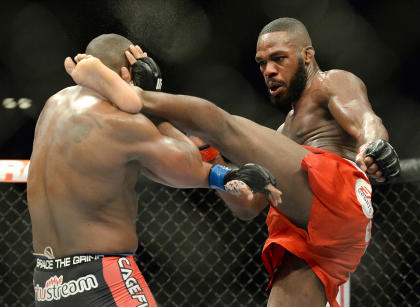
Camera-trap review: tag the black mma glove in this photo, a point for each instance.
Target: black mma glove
(385, 156)
(255, 176)
(146, 74)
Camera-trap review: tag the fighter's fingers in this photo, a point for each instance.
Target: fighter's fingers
(380, 179)
(69, 65)
(369, 161)
(131, 59)
(372, 168)
(141, 52)
(378, 176)
(136, 51)
(360, 161)
(125, 74)
(275, 194)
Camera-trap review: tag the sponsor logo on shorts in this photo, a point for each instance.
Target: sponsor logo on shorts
(55, 289)
(364, 196)
(131, 283)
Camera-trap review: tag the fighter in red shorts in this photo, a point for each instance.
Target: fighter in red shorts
(319, 233)
(87, 155)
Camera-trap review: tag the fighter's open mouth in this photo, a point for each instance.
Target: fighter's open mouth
(274, 89)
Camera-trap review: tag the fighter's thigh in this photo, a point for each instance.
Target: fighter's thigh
(296, 285)
(250, 142)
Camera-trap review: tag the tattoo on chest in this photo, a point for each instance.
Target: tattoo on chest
(82, 125)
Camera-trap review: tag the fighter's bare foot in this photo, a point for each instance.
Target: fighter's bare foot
(87, 70)
(90, 72)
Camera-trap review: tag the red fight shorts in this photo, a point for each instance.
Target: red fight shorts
(339, 225)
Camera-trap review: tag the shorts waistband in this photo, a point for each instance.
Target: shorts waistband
(44, 263)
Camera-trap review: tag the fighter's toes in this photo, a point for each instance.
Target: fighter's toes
(275, 194)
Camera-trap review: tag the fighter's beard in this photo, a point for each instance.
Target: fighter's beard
(295, 89)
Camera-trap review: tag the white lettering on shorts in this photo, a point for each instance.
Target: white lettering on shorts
(55, 289)
(131, 283)
(364, 196)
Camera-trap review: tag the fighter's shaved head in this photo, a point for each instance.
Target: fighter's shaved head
(110, 48)
(296, 30)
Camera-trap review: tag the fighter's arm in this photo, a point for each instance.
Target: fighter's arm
(164, 153)
(349, 105)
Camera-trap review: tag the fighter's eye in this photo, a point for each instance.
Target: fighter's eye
(279, 58)
(261, 63)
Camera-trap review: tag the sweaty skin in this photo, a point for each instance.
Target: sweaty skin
(324, 119)
(332, 113)
(86, 159)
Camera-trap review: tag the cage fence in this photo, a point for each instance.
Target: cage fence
(194, 252)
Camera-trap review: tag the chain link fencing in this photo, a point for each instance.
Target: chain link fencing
(194, 252)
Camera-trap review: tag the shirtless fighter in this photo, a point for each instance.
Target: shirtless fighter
(86, 158)
(320, 231)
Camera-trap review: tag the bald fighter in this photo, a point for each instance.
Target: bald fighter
(320, 231)
(87, 156)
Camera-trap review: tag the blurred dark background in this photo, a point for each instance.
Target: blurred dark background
(207, 49)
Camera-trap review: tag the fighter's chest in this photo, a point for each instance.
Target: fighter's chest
(306, 122)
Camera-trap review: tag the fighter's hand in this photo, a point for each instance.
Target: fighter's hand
(134, 53)
(252, 178)
(379, 160)
(146, 73)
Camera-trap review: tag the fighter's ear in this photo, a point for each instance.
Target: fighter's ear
(126, 74)
(308, 54)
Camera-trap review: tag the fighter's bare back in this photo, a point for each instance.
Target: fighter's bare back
(81, 184)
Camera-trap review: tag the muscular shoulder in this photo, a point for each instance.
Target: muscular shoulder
(129, 128)
(118, 125)
(337, 80)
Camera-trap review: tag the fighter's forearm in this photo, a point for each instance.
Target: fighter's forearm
(371, 130)
(194, 115)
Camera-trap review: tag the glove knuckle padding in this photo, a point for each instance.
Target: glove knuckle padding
(146, 74)
(385, 156)
(255, 176)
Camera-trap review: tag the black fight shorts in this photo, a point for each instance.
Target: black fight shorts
(90, 280)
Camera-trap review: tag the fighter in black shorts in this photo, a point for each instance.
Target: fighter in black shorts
(91, 280)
